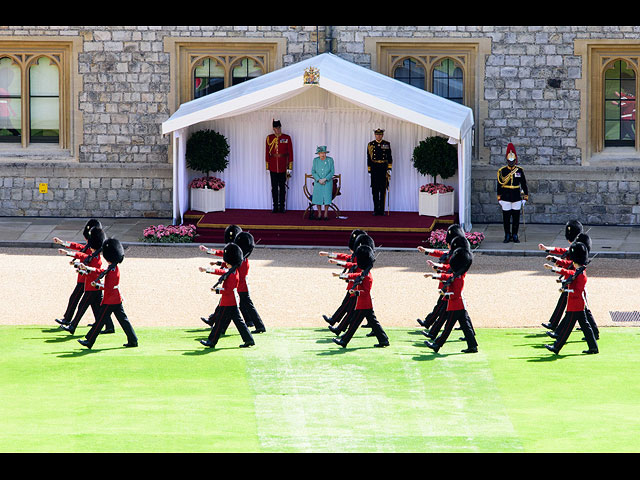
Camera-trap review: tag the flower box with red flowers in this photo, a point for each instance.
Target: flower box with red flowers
(207, 194)
(436, 200)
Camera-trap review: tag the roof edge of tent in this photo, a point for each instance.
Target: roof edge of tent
(178, 121)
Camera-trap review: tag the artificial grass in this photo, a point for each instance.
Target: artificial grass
(296, 391)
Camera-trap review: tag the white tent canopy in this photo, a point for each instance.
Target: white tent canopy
(341, 111)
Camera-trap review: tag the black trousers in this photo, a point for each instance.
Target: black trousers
(249, 312)
(104, 315)
(511, 221)
(462, 318)
(356, 318)
(340, 316)
(74, 299)
(278, 190)
(556, 316)
(439, 308)
(566, 326)
(226, 315)
(91, 298)
(378, 189)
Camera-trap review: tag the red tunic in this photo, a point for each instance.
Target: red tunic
(575, 299)
(279, 153)
(454, 301)
(96, 263)
(558, 250)
(363, 301)
(111, 287)
(243, 270)
(77, 247)
(228, 296)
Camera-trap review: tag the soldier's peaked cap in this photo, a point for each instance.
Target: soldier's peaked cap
(231, 232)
(232, 254)
(112, 250)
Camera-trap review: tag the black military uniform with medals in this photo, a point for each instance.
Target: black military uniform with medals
(511, 191)
(379, 161)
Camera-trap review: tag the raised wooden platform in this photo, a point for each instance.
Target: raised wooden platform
(398, 229)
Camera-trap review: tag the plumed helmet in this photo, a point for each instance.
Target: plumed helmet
(96, 238)
(232, 254)
(511, 156)
(112, 250)
(90, 224)
(460, 242)
(453, 231)
(578, 253)
(231, 232)
(363, 239)
(364, 257)
(246, 243)
(584, 238)
(572, 229)
(355, 234)
(460, 261)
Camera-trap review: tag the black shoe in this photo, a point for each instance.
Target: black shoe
(433, 346)
(206, 320)
(68, 328)
(507, 238)
(105, 331)
(62, 321)
(250, 324)
(328, 320)
(547, 326)
(552, 334)
(591, 351)
(551, 349)
(259, 330)
(84, 343)
(365, 326)
(469, 350)
(207, 343)
(334, 329)
(247, 344)
(338, 341)
(381, 345)
(514, 238)
(420, 322)
(428, 335)
(130, 345)
(371, 334)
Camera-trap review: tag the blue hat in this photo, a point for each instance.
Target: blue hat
(322, 149)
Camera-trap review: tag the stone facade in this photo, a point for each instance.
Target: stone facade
(119, 164)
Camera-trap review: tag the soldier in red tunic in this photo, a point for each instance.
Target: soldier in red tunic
(279, 162)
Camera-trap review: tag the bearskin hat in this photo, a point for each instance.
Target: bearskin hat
(460, 261)
(363, 239)
(232, 254)
(96, 237)
(231, 232)
(246, 243)
(90, 224)
(112, 250)
(584, 238)
(355, 234)
(578, 253)
(460, 242)
(453, 231)
(572, 229)
(364, 257)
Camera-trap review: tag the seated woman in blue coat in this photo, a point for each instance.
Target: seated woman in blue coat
(322, 172)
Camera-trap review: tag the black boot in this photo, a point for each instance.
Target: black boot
(506, 223)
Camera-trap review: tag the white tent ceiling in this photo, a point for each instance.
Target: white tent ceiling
(358, 85)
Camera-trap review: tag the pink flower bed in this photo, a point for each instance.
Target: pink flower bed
(169, 233)
(212, 183)
(438, 237)
(434, 188)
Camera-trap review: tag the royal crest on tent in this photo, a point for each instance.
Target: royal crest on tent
(311, 76)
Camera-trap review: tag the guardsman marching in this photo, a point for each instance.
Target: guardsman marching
(279, 162)
(379, 162)
(511, 181)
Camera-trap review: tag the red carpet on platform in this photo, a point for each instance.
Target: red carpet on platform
(397, 229)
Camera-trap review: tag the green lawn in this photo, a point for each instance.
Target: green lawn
(296, 391)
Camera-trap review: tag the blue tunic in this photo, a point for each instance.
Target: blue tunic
(322, 194)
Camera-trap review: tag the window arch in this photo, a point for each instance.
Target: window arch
(445, 77)
(410, 70)
(10, 100)
(245, 69)
(44, 100)
(208, 77)
(213, 73)
(619, 95)
(447, 80)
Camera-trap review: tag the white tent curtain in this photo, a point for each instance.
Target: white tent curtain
(315, 118)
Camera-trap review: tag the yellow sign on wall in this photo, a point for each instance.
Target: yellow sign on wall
(43, 187)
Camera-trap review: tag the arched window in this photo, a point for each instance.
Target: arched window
(208, 77)
(10, 101)
(447, 80)
(245, 70)
(44, 101)
(410, 71)
(619, 105)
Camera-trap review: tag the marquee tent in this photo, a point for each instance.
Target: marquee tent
(340, 110)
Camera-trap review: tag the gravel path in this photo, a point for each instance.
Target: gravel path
(294, 287)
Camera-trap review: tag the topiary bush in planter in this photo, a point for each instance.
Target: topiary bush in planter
(207, 151)
(436, 157)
